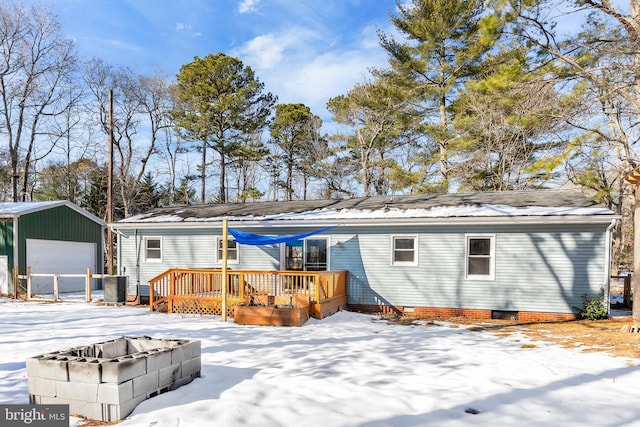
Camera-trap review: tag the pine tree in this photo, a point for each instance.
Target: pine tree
(445, 43)
(218, 101)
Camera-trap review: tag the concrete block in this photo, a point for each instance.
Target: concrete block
(192, 349)
(115, 394)
(41, 386)
(182, 381)
(50, 367)
(169, 375)
(122, 411)
(145, 384)
(106, 381)
(85, 370)
(112, 349)
(91, 410)
(77, 391)
(138, 344)
(48, 400)
(123, 369)
(159, 359)
(191, 366)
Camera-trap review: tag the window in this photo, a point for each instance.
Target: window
(232, 251)
(152, 249)
(404, 250)
(480, 257)
(315, 255)
(306, 255)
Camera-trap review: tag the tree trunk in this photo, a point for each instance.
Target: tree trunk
(203, 174)
(442, 143)
(636, 256)
(223, 189)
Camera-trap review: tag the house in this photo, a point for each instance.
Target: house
(532, 255)
(53, 237)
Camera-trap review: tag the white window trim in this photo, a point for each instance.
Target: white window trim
(229, 261)
(416, 246)
(283, 252)
(492, 257)
(144, 242)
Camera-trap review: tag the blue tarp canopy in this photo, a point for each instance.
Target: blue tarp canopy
(257, 239)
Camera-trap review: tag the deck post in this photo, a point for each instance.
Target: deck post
(172, 291)
(55, 288)
(224, 269)
(87, 286)
(28, 283)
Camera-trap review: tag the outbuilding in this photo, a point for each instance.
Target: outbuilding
(51, 237)
(532, 255)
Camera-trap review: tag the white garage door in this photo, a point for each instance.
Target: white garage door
(59, 257)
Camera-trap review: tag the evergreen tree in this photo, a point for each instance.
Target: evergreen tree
(445, 43)
(379, 119)
(218, 100)
(509, 127)
(294, 131)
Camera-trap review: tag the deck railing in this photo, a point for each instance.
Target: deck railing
(200, 290)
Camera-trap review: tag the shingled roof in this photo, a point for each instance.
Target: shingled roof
(506, 203)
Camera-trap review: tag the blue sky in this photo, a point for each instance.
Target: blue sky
(303, 50)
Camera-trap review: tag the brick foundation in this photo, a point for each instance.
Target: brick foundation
(523, 316)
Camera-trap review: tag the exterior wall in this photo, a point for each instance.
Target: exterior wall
(59, 223)
(189, 248)
(6, 247)
(538, 269)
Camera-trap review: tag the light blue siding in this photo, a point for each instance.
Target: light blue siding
(188, 248)
(543, 268)
(547, 269)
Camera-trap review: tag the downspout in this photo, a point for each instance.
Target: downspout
(607, 269)
(137, 248)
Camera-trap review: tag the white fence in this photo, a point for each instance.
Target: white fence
(88, 276)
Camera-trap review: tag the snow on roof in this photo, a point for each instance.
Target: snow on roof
(498, 204)
(20, 208)
(16, 209)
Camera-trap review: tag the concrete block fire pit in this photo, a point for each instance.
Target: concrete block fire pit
(107, 380)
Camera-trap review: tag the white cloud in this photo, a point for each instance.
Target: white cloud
(247, 6)
(268, 51)
(292, 67)
(312, 64)
(181, 26)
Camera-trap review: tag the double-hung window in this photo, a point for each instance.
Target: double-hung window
(232, 251)
(153, 249)
(404, 250)
(480, 257)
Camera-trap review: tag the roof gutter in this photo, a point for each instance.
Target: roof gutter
(354, 222)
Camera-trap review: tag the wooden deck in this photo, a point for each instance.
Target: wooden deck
(199, 291)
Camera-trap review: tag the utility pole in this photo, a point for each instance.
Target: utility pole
(110, 189)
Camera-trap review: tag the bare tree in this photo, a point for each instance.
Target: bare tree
(602, 62)
(37, 64)
(140, 103)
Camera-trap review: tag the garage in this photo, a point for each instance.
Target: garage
(51, 237)
(59, 257)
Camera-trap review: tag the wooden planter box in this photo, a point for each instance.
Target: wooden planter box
(270, 315)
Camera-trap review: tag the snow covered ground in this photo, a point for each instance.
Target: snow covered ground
(347, 370)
